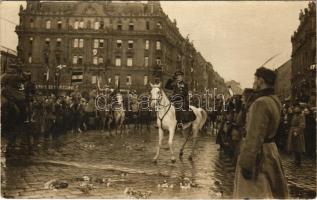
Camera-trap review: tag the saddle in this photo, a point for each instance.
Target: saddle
(185, 116)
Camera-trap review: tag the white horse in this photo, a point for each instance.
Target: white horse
(119, 113)
(166, 120)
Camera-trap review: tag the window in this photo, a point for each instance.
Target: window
(58, 42)
(129, 62)
(75, 59)
(158, 45)
(158, 61)
(129, 80)
(118, 61)
(93, 79)
(102, 25)
(100, 60)
(119, 43)
(147, 25)
(97, 25)
(145, 80)
(48, 24)
(130, 44)
(101, 42)
(116, 80)
(81, 43)
(95, 60)
(146, 61)
(47, 41)
(96, 43)
(131, 26)
(119, 26)
(75, 43)
(80, 60)
(147, 44)
(59, 24)
(159, 25)
(81, 24)
(30, 58)
(31, 23)
(58, 58)
(76, 24)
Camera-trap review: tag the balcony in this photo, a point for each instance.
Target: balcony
(130, 51)
(19, 28)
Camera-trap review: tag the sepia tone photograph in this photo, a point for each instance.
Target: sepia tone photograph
(158, 99)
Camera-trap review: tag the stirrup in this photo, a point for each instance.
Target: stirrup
(179, 125)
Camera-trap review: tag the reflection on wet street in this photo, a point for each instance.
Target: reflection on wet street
(94, 164)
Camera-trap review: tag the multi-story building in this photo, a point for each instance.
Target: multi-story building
(304, 57)
(122, 44)
(283, 81)
(7, 57)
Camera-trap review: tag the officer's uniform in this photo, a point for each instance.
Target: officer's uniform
(180, 99)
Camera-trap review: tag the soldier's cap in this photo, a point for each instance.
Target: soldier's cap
(179, 73)
(268, 75)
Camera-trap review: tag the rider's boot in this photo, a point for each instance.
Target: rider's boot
(179, 125)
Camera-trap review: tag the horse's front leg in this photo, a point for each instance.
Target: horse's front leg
(170, 143)
(161, 135)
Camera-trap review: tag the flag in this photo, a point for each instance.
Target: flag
(230, 91)
(47, 74)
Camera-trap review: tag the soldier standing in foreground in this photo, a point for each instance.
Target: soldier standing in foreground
(259, 172)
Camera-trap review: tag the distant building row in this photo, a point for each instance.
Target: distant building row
(116, 43)
(297, 77)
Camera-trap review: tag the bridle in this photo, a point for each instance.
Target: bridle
(159, 99)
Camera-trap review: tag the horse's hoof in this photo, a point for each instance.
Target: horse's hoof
(154, 161)
(173, 160)
(181, 154)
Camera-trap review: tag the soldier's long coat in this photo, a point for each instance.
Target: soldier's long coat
(296, 143)
(268, 180)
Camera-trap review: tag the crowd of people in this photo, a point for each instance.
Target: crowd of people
(255, 127)
(296, 132)
(51, 115)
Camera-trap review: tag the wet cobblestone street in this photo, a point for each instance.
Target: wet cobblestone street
(96, 165)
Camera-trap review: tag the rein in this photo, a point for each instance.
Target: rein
(159, 103)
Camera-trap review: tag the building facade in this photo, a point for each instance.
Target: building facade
(303, 79)
(282, 87)
(7, 57)
(121, 44)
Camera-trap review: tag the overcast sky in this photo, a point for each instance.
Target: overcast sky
(236, 36)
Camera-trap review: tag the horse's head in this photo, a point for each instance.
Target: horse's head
(156, 94)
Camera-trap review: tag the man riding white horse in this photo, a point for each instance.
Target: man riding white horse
(180, 99)
(166, 116)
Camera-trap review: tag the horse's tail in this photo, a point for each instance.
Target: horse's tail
(204, 118)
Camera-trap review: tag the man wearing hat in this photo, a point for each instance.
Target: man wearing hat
(180, 98)
(259, 172)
